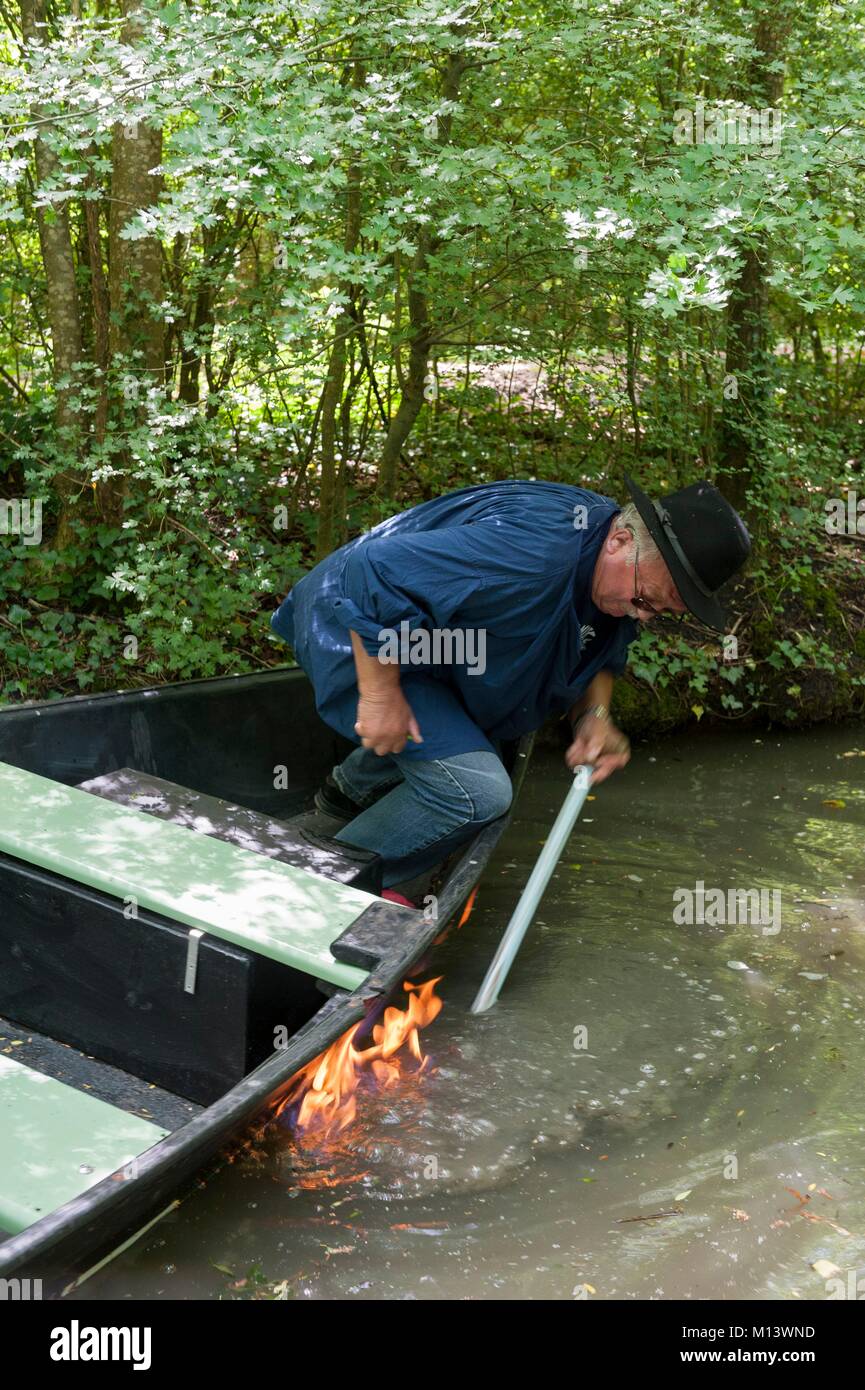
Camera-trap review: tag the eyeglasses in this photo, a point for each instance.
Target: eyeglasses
(642, 603)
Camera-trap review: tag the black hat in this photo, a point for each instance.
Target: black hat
(703, 542)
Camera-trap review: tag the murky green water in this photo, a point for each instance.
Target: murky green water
(722, 1066)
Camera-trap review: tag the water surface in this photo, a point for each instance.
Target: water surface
(717, 1088)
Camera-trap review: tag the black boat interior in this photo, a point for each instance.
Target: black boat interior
(98, 997)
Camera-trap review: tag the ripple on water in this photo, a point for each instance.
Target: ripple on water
(630, 1061)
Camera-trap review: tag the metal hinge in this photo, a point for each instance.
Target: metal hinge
(195, 936)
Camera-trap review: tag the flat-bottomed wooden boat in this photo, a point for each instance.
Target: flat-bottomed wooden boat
(167, 910)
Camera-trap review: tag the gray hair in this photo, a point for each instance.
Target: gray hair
(629, 519)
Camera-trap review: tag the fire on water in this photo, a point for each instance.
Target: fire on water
(325, 1090)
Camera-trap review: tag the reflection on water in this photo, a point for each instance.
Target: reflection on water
(705, 1075)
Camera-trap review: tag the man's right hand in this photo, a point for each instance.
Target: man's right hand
(598, 742)
(385, 722)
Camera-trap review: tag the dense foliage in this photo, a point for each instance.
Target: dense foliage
(274, 270)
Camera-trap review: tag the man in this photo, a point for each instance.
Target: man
(468, 620)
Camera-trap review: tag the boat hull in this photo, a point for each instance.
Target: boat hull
(223, 737)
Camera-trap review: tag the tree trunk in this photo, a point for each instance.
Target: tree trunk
(748, 348)
(58, 261)
(631, 372)
(99, 312)
(136, 332)
(411, 396)
(190, 356)
(332, 487)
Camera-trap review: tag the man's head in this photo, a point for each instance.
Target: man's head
(671, 555)
(630, 579)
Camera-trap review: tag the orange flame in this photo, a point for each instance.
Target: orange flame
(327, 1086)
(467, 910)
(466, 914)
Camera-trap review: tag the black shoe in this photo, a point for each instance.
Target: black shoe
(330, 800)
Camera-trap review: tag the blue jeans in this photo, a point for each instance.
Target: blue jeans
(433, 805)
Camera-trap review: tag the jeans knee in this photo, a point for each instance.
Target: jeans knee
(498, 796)
(485, 786)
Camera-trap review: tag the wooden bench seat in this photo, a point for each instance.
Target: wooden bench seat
(56, 1142)
(274, 909)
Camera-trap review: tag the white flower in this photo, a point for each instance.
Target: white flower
(722, 217)
(609, 223)
(577, 224)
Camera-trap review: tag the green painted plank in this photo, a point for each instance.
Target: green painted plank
(56, 1142)
(289, 914)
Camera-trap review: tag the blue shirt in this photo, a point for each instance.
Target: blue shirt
(513, 559)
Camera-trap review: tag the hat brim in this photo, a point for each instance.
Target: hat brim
(703, 606)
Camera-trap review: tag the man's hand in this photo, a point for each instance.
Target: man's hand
(385, 722)
(598, 741)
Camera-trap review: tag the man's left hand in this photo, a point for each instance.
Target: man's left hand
(599, 742)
